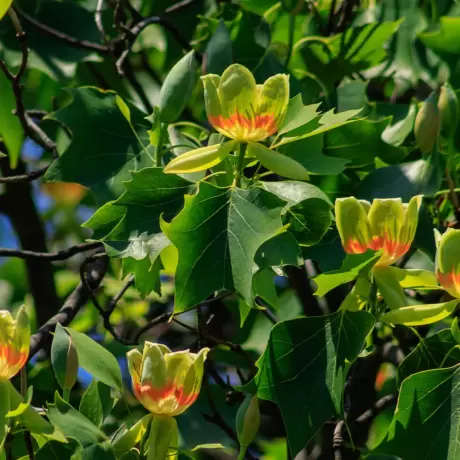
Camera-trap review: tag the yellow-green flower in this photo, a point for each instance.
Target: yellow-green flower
(14, 342)
(386, 224)
(166, 382)
(242, 110)
(448, 262)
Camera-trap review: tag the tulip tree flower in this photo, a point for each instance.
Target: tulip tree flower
(166, 383)
(247, 114)
(386, 224)
(14, 343)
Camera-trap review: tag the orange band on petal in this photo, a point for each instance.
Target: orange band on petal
(160, 394)
(12, 360)
(391, 248)
(355, 247)
(238, 121)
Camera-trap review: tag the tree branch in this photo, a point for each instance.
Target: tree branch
(71, 41)
(71, 306)
(51, 256)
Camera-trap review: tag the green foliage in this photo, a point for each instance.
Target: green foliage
(153, 200)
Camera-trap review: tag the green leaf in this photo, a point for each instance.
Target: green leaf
(103, 451)
(72, 423)
(228, 227)
(132, 222)
(90, 404)
(4, 7)
(53, 450)
(314, 161)
(96, 360)
(396, 133)
(54, 57)
(277, 162)
(10, 127)
(446, 40)
(63, 359)
(280, 250)
(298, 114)
(304, 368)
(429, 354)
(146, 274)
(131, 437)
(418, 315)
(361, 142)
(218, 53)
(325, 122)
(4, 409)
(263, 286)
(389, 287)
(426, 422)
(114, 151)
(353, 266)
(307, 212)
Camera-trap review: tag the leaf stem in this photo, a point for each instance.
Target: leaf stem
(66, 395)
(159, 146)
(240, 165)
(455, 347)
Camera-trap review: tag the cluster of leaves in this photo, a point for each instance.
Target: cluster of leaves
(249, 257)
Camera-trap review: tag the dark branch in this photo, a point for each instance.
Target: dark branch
(52, 256)
(71, 41)
(71, 306)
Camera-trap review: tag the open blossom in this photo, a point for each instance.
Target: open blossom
(448, 262)
(386, 224)
(242, 110)
(14, 343)
(166, 382)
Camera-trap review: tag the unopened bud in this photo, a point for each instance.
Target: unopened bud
(448, 110)
(427, 123)
(247, 423)
(455, 330)
(64, 359)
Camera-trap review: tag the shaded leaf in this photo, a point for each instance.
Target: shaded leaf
(217, 235)
(304, 368)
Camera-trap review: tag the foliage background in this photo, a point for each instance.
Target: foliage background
(383, 57)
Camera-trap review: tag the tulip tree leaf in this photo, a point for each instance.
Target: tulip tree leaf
(113, 151)
(446, 40)
(308, 209)
(304, 367)
(298, 114)
(427, 406)
(96, 360)
(130, 228)
(430, 354)
(352, 266)
(217, 235)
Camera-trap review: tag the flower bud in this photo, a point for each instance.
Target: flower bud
(448, 262)
(14, 342)
(247, 423)
(64, 358)
(427, 123)
(177, 88)
(166, 383)
(448, 110)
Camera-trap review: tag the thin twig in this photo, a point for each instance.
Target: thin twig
(98, 20)
(337, 440)
(52, 256)
(71, 306)
(116, 298)
(29, 445)
(71, 41)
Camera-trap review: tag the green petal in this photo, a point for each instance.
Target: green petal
(177, 366)
(412, 209)
(22, 331)
(418, 315)
(192, 383)
(211, 96)
(448, 262)
(387, 217)
(274, 98)
(134, 364)
(200, 159)
(238, 92)
(389, 287)
(6, 327)
(277, 162)
(353, 225)
(153, 370)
